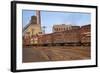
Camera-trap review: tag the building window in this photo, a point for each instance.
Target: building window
(40, 32)
(59, 29)
(56, 29)
(64, 29)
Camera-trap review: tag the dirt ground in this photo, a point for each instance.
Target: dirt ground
(55, 53)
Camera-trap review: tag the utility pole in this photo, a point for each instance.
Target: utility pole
(44, 27)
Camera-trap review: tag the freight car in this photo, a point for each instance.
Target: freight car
(86, 40)
(69, 37)
(85, 34)
(58, 38)
(72, 37)
(45, 40)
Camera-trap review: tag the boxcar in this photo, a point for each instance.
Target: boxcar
(86, 39)
(45, 39)
(72, 37)
(85, 34)
(58, 38)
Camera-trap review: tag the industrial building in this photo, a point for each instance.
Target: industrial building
(34, 26)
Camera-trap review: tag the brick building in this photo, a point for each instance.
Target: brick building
(63, 27)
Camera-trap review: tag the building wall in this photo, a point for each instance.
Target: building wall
(64, 27)
(33, 29)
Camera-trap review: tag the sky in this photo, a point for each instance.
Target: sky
(50, 18)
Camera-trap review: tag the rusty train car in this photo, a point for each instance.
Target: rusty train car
(85, 35)
(45, 39)
(71, 37)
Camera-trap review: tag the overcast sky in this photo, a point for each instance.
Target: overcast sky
(49, 18)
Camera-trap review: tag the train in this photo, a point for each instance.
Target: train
(73, 37)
